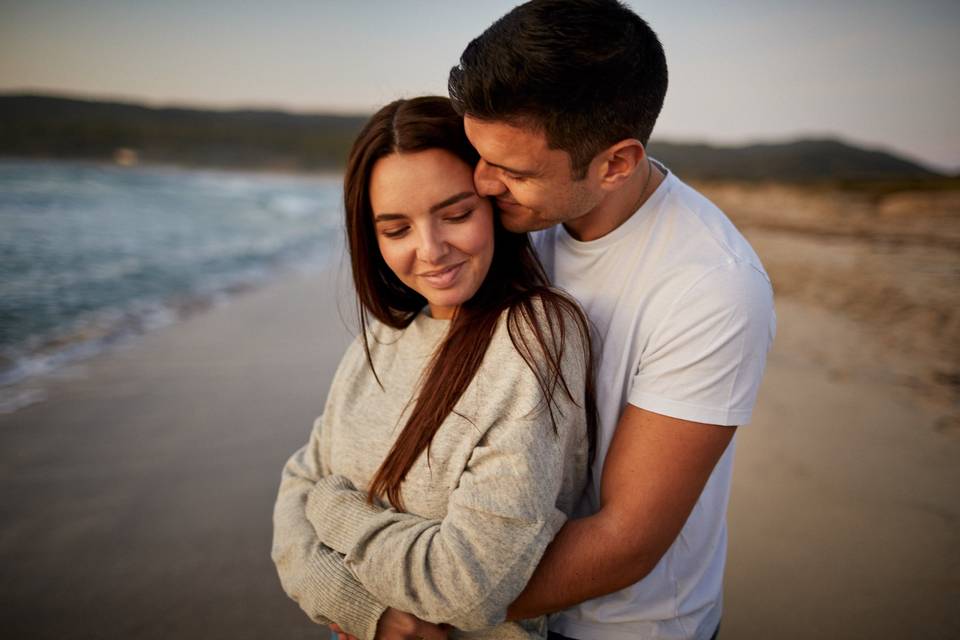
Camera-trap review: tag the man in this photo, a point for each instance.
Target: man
(560, 98)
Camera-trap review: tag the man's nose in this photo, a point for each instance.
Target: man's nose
(486, 180)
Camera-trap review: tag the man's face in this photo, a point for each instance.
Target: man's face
(532, 184)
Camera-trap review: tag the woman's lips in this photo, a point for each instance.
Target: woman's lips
(443, 278)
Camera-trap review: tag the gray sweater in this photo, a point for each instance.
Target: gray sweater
(498, 484)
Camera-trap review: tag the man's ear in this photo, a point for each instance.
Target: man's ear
(620, 161)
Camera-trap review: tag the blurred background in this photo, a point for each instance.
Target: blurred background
(173, 301)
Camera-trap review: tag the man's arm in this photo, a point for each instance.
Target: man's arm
(653, 475)
(717, 333)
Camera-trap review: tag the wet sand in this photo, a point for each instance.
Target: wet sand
(136, 499)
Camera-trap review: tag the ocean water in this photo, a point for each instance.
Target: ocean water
(91, 254)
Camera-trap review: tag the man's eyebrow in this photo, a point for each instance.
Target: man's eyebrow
(518, 172)
(451, 200)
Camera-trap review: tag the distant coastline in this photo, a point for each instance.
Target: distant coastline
(127, 134)
(52, 127)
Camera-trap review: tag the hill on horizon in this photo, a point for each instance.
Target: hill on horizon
(42, 126)
(806, 160)
(46, 126)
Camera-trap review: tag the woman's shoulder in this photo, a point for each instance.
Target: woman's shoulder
(373, 335)
(538, 336)
(396, 352)
(535, 371)
(382, 355)
(550, 318)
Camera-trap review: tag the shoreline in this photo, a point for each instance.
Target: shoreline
(43, 336)
(28, 368)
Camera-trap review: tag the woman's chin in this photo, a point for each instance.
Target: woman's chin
(443, 306)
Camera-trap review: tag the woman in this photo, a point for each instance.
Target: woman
(457, 432)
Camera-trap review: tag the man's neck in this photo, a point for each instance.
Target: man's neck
(617, 207)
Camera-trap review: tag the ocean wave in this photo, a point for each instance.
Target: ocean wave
(95, 255)
(42, 355)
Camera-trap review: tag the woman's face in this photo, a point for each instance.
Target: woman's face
(434, 232)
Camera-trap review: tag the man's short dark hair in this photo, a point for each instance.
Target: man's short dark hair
(588, 73)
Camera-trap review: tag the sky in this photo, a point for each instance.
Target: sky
(877, 73)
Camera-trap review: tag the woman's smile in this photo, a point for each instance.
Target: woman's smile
(443, 278)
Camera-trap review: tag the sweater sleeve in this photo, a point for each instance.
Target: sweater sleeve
(311, 573)
(466, 568)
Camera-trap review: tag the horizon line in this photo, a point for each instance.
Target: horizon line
(714, 142)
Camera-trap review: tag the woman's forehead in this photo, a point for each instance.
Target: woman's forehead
(420, 181)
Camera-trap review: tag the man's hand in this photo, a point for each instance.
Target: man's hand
(397, 625)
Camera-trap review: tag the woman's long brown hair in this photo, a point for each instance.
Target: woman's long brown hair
(516, 283)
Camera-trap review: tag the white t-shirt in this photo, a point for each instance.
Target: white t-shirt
(683, 318)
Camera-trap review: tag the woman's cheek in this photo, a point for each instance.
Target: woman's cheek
(393, 254)
(484, 231)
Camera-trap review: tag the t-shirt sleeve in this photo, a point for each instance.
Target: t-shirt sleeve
(705, 359)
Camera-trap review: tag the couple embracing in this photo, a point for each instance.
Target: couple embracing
(529, 424)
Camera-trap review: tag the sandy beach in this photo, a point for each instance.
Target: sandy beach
(136, 498)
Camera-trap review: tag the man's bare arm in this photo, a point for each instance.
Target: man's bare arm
(652, 477)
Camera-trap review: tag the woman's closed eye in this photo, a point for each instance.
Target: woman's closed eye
(461, 217)
(395, 232)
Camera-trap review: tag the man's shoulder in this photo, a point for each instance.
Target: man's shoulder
(690, 257)
(696, 236)
(679, 241)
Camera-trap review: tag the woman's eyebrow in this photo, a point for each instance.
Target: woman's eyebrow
(463, 195)
(451, 200)
(386, 217)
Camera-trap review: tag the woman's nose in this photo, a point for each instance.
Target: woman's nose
(432, 246)
(486, 180)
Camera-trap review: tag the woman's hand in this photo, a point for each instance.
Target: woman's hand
(397, 625)
(340, 634)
